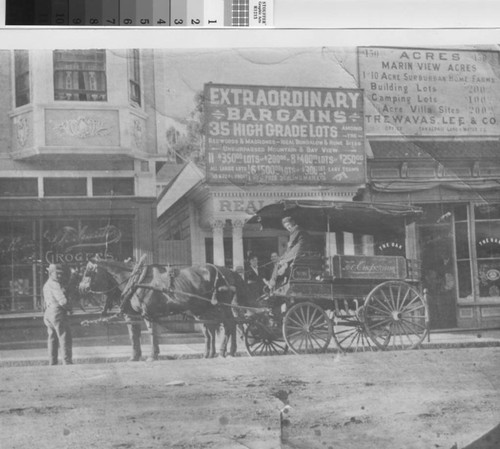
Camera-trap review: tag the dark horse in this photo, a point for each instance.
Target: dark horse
(110, 281)
(206, 292)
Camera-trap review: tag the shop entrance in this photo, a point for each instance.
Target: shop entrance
(438, 268)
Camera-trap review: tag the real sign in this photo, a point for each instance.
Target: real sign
(258, 134)
(425, 92)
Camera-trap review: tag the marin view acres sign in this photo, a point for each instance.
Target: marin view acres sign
(427, 92)
(284, 135)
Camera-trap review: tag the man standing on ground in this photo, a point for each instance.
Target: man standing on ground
(55, 317)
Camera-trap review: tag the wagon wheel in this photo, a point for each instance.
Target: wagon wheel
(349, 332)
(307, 328)
(263, 337)
(396, 316)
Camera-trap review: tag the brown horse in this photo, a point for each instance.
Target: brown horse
(110, 282)
(209, 293)
(205, 292)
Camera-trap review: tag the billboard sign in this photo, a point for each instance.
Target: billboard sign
(284, 135)
(428, 92)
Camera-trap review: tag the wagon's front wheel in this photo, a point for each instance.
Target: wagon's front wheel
(396, 316)
(264, 338)
(307, 328)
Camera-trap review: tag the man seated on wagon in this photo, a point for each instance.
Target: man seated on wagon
(299, 244)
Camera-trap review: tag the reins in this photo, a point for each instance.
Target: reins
(192, 295)
(110, 289)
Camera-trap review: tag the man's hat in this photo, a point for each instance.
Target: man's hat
(56, 267)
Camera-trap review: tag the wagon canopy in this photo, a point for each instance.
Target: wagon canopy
(335, 216)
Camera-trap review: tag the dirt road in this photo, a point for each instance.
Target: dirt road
(394, 400)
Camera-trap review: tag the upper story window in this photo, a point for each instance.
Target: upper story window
(113, 186)
(65, 186)
(22, 77)
(80, 75)
(134, 74)
(18, 187)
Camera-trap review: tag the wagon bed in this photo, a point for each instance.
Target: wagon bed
(363, 302)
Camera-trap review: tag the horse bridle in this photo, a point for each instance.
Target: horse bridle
(93, 269)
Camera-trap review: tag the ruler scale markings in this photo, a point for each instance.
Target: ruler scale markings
(19, 12)
(76, 12)
(144, 12)
(214, 13)
(110, 12)
(42, 12)
(178, 12)
(93, 12)
(194, 13)
(240, 13)
(127, 12)
(228, 13)
(161, 12)
(59, 13)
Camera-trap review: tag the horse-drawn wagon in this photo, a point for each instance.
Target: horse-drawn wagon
(361, 299)
(364, 301)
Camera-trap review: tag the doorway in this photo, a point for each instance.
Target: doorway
(438, 273)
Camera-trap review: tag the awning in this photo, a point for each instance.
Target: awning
(335, 216)
(435, 150)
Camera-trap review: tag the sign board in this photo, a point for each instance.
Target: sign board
(369, 267)
(283, 135)
(425, 92)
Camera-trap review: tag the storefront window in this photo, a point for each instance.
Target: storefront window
(18, 259)
(389, 245)
(28, 246)
(487, 240)
(74, 241)
(462, 248)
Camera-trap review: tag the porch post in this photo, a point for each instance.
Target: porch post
(411, 241)
(368, 245)
(238, 253)
(218, 238)
(348, 243)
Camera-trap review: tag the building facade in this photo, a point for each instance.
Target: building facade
(432, 129)
(77, 164)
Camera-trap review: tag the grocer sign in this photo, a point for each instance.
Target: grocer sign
(282, 135)
(426, 92)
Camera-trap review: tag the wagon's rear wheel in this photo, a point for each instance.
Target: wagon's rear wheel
(349, 332)
(396, 316)
(307, 328)
(263, 337)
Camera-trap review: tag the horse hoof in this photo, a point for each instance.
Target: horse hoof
(151, 359)
(134, 359)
